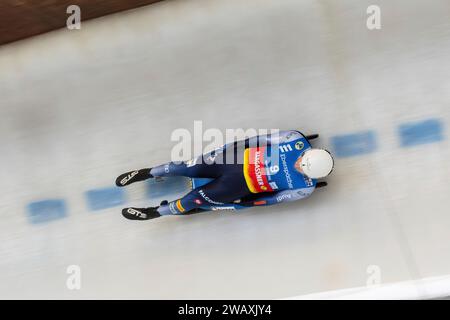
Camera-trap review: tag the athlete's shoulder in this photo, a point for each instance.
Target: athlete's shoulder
(286, 136)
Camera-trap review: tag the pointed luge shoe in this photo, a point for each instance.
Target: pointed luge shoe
(133, 176)
(140, 213)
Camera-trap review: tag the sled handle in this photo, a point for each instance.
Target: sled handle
(321, 184)
(312, 136)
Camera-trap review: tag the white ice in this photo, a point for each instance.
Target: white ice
(79, 107)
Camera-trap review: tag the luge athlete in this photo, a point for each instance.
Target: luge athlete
(262, 170)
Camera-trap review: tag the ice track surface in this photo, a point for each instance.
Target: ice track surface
(79, 107)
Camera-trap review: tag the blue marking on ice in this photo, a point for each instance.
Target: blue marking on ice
(98, 199)
(348, 145)
(46, 210)
(420, 132)
(354, 144)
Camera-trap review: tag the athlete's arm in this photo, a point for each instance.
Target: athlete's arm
(274, 138)
(278, 197)
(257, 141)
(265, 140)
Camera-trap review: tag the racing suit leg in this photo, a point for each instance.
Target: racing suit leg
(224, 189)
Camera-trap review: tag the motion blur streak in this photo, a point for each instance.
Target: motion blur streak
(79, 107)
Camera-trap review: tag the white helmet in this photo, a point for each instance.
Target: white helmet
(317, 163)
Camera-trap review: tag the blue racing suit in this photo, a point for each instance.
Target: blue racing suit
(253, 172)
